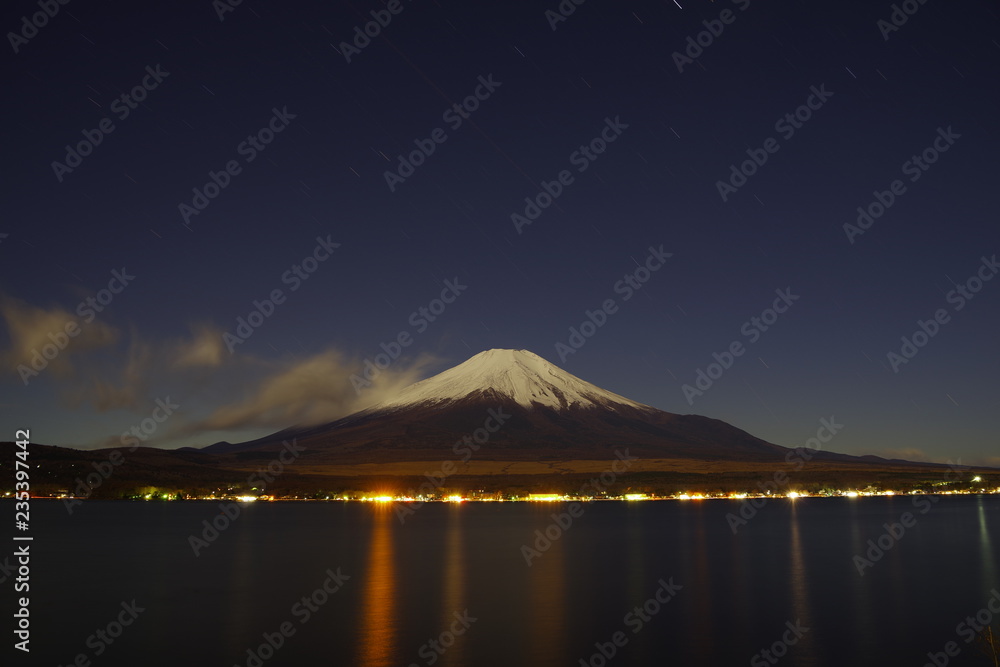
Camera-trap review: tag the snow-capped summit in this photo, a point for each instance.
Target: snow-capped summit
(518, 375)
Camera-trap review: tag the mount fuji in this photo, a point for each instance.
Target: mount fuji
(547, 414)
(502, 420)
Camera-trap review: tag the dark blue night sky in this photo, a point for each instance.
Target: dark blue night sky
(266, 159)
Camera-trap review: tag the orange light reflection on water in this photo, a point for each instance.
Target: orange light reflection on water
(378, 614)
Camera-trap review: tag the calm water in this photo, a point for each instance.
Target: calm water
(791, 563)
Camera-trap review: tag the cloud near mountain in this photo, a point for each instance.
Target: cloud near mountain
(308, 391)
(113, 367)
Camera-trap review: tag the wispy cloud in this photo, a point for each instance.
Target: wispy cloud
(307, 391)
(204, 349)
(30, 329)
(118, 369)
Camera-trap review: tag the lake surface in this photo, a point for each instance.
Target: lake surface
(729, 595)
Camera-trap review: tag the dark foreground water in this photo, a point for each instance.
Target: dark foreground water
(455, 575)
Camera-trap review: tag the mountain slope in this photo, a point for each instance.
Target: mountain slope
(547, 414)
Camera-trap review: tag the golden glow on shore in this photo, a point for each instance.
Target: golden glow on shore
(546, 497)
(386, 496)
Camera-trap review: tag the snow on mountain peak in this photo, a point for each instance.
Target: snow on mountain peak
(519, 375)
